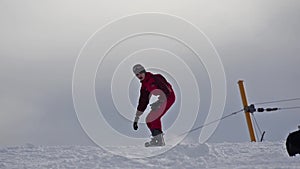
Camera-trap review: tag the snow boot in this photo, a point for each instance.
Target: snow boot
(156, 141)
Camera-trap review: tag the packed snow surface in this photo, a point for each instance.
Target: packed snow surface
(211, 155)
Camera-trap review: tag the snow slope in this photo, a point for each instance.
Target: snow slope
(212, 155)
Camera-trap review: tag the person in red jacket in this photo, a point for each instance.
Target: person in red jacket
(157, 85)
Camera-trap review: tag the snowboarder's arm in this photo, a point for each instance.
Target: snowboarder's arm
(143, 100)
(137, 115)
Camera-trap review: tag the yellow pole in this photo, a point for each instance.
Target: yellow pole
(247, 114)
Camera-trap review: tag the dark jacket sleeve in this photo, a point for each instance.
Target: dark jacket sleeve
(143, 100)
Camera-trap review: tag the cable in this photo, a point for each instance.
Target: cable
(277, 101)
(242, 110)
(257, 126)
(197, 128)
(274, 109)
(285, 108)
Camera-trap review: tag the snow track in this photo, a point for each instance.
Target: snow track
(212, 155)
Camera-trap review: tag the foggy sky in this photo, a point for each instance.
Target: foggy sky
(257, 41)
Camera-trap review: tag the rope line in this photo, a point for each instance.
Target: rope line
(209, 123)
(274, 109)
(257, 126)
(285, 108)
(242, 110)
(277, 101)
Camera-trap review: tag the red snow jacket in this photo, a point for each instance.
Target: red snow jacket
(149, 84)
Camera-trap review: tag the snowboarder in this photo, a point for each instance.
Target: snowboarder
(157, 85)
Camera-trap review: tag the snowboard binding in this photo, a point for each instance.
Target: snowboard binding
(156, 141)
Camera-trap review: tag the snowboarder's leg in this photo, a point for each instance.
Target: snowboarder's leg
(153, 121)
(155, 127)
(153, 124)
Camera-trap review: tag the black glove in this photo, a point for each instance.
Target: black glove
(135, 126)
(136, 119)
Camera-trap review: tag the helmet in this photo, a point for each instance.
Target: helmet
(138, 68)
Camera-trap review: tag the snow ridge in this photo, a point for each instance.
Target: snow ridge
(210, 155)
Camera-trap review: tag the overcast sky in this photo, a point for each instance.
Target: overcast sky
(257, 41)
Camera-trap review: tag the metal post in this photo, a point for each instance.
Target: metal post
(247, 114)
